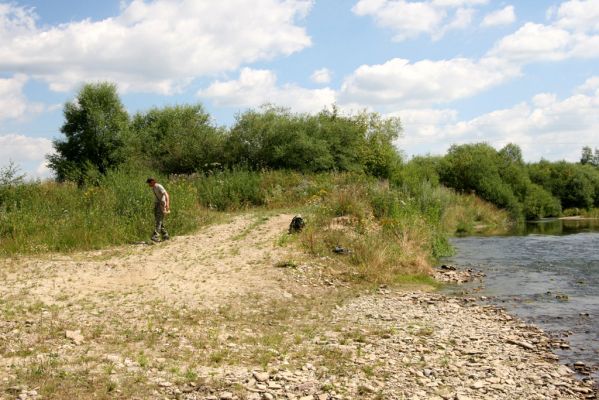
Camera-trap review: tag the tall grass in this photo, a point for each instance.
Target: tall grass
(42, 217)
(390, 230)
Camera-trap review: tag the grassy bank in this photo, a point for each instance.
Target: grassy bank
(390, 231)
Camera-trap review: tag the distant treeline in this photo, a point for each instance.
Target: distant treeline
(530, 190)
(100, 136)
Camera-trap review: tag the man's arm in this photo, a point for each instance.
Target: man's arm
(167, 201)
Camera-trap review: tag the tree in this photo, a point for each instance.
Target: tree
(178, 140)
(95, 126)
(10, 175)
(588, 157)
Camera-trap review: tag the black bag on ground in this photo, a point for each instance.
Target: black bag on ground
(297, 224)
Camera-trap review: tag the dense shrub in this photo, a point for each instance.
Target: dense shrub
(275, 138)
(538, 203)
(177, 140)
(575, 185)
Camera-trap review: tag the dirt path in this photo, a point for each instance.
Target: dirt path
(222, 261)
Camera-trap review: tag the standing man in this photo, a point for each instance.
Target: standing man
(161, 207)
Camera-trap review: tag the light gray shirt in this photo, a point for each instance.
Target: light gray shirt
(160, 194)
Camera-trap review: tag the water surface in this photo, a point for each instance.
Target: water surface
(549, 276)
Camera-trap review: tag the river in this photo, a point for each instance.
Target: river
(548, 276)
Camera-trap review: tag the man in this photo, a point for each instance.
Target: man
(161, 207)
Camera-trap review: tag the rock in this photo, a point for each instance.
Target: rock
(261, 376)
(478, 385)
(75, 336)
(521, 343)
(226, 396)
(165, 384)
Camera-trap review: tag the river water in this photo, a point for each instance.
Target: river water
(548, 276)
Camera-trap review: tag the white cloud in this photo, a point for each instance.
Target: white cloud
(28, 153)
(534, 42)
(590, 86)
(257, 87)
(544, 127)
(505, 16)
(157, 46)
(458, 3)
(322, 75)
(580, 16)
(573, 32)
(399, 83)
(411, 19)
(13, 103)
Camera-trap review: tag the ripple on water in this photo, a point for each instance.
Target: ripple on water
(549, 280)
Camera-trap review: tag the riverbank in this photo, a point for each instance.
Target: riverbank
(234, 312)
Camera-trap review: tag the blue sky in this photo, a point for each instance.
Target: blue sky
(454, 71)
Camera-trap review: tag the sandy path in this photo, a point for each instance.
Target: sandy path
(221, 261)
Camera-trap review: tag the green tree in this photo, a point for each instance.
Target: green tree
(587, 155)
(177, 140)
(276, 138)
(95, 127)
(513, 170)
(571, 183)
(477, 168)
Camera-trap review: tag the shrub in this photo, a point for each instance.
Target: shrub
(539, 203)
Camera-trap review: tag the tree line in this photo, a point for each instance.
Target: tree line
(99, 136)
(527, 190)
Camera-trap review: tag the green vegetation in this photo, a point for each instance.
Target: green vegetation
(529, 191)
(96, 125)
(332, 165)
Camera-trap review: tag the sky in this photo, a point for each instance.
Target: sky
(453, 71)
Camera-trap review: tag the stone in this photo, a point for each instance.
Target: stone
(226, 396)
(478, 385)
(75, 336)
(261, 376)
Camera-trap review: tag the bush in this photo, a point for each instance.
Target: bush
(540, 204)
(575, 185)
(275, 138)
(177, 140)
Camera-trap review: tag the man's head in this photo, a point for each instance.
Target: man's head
(151, 182)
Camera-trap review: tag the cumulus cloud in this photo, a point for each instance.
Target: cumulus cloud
(566, 124)
(400, 83)
(154, 46)
(322, 75)
(505, 16)
(573, 31)
(534, 42)
(13, 103)
(257, 87)
(576, 15)
(412, 19)
(28, 153)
